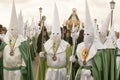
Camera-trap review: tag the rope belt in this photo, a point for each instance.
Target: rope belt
(12, 69)
(118, 55)
(57, 67)
(86, 67)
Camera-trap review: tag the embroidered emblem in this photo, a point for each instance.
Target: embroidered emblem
(55, 48)
(85, 54)
(12, 42)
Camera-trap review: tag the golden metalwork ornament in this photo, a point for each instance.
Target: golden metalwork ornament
(11, 53)
(84, 62)
(85, 54)
(54, 58)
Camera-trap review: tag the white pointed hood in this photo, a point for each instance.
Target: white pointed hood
(112, 32)
(89, 26)
(88, 39)
(104, 29)
(110, 42)
(20, 23)
(105, 25)
(89, 43)
(13, 26)
(14, 20)
(55, 32)
(32, 29)
(56, 21)
(26, 29)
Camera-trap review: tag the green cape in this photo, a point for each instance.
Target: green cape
(33, 47)
(103, 65)
(96, 69)
(26, 72)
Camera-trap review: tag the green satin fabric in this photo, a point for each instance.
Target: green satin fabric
(103, 65)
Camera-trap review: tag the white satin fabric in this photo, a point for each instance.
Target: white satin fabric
(85, 73)
(12, 61)
(56, 73)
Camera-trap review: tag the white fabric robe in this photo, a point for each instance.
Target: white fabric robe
(12, 61)
(52, 73)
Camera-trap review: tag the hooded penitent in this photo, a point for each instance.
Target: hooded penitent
(57, 54)
(32, 28)
(110, 42)
(89, 31)
(13, 26)
(56, 32)
(14, 21)
(21, 24)
(26, 29)
(104, 29)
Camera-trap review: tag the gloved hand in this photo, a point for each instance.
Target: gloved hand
(86, 72)
(74, 35)
(67, 77)
(72, 59)
(41, 54)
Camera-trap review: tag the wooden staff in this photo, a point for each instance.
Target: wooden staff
(73, 50)
(42, 25)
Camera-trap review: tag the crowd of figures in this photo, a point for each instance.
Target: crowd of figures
(84, 53)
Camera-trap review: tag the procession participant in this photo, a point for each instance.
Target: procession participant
(87, 54)
(15, 53)
(39, 40)
(108, 52)
(55, 60)
(33, 40)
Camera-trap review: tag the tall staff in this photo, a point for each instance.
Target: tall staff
(42, 25)
(112, 6)
(40, 9)
(74, 37)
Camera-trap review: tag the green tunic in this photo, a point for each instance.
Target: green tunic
(118, 73)
(118, 67)
(26, 72)
(108, 59)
